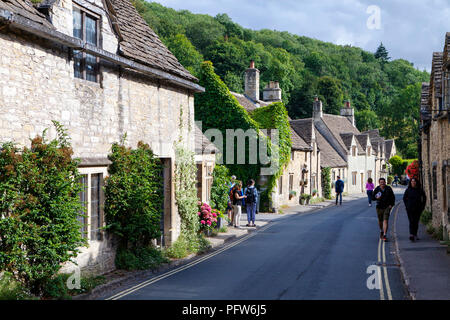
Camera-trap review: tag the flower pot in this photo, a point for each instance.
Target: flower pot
(302, 201)
(307, 201)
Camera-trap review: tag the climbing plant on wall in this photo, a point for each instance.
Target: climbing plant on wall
(326, 182)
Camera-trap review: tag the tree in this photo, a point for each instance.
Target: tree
(185, 52)
(382, 54)
(366, 120)
(330, 92)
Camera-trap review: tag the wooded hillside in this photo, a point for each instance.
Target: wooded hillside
(385, 93)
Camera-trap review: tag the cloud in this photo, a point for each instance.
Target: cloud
(410, 30)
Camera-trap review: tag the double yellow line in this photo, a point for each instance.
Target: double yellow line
(382, 256)
(186, 266)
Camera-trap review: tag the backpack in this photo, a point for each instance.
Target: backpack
(250, 193)
(232, 194)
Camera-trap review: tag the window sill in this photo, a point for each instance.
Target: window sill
(88, 83)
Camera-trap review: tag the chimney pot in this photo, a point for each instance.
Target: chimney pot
(252, 64)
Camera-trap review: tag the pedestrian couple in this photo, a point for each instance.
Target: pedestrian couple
(239, 198)
(414, 199)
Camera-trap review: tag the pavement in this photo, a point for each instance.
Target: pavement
(425, 263)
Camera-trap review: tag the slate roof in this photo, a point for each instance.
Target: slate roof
(203, 144)
(362, 139)
(338, 125)
(347, 139)
(328, 155)
(303, 127)
(436, 72)
(139, 42)
(25, 9)
(389, 145)
(424, 99)
(248, 103)
(298, 143)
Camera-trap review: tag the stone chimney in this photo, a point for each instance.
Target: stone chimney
(272, 92)
(348, 112)
(317, 108)
(252, 82)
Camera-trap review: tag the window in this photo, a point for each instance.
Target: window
(292, 155)
(291, 182)
(354, 174)
(369, 150)
(369, 174)
(82, 218)
(280, 185)
(208, 181)
(306, 156)
(313, 181)
(86, 27)
(92, 198)
(334, 176)
(354, 151)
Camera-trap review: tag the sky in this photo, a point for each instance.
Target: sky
(409, 29)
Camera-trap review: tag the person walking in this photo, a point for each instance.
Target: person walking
(385, 198)
(237, 204)
(251, 195)
(339, 188)
(414, 199)
(395, 181)
(369, 190)
(230, 202)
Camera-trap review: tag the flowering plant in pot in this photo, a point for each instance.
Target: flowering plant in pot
(207, 218)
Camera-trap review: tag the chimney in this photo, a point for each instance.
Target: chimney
(317, 108)
(272, 92)
(252, 82)
(348, 112)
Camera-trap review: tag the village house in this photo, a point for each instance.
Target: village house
(352, 155)
(302, 174)
(434, 151)
(97, 68)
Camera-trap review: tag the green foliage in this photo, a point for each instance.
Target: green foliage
(11, 289)
(220, 187)
(56, 288)
(366, 120)
(390, 179)
(326, 182)
(134, 195)
(426, 217)
(382, 54)
(186, 192)
(183, 246)
(186, 53)
(141, 258)
(330, 93)
(39, 205)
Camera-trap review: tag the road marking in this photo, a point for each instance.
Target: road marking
(187, 266)
(386, 279)
(380, 279)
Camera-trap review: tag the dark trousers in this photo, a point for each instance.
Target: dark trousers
(339, 194)
(369, 195)
(414, 218)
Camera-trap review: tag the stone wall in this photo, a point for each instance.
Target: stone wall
(37, 85)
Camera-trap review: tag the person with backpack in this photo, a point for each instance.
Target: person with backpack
(237, 203)
(251, 195)
(414, 199)
(395, 181)
(339, 187)
(385, 198)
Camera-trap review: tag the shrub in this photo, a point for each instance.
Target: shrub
(207, 216)
(390, 179)
(11, 289)
(220, 187)
(134, 195)
(326, 182)
(139, 258)
(56, 288)
(426, 217)
(183, 247)
(39, 206)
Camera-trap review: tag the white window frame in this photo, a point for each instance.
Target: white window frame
(89, 171)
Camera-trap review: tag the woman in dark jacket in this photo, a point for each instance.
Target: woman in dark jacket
(415, 200)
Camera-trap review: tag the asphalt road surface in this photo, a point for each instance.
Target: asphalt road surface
(333, 253)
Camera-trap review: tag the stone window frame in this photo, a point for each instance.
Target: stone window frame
(354, 151)
(280, 185)
(98, 18)
(89, 172)
(209, 168)
(291, 182)
(354, 177)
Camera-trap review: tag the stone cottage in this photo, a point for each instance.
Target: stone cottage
(302, 174)
(352, 155)
(434, 151)
(97, 68)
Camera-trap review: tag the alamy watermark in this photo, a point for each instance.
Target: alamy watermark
(374, 20)
(74, 281)
(236, 140)
(374, 280)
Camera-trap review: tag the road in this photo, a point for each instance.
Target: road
(320, 255)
